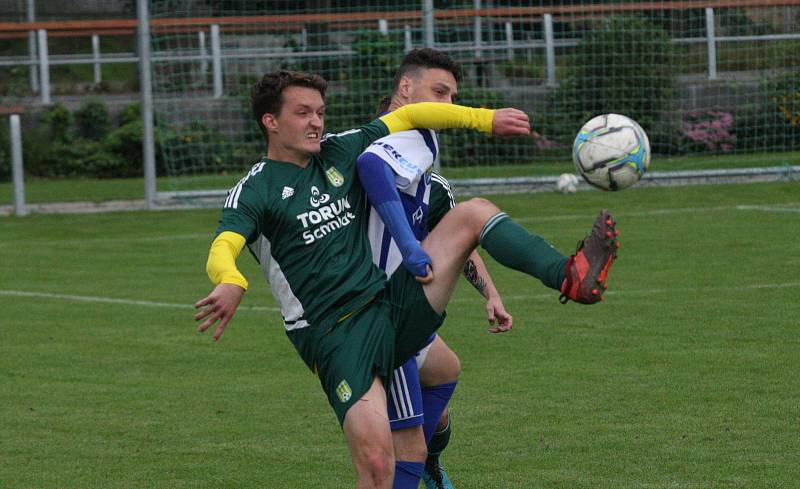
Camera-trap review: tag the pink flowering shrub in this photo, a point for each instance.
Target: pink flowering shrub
(711, 130)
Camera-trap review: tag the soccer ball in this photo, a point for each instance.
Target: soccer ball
(567, 183)
(611, 152)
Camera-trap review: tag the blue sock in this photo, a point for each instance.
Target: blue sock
(407, 474)
(434, 400)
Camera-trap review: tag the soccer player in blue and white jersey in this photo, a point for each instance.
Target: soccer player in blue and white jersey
(423, 386)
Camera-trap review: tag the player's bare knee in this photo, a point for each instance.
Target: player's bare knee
(377, 466)
(454, 368)
(479, 210)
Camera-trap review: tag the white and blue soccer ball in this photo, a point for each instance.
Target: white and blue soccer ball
(611, 152)
(567, 183)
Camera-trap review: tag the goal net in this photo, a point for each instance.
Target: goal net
(714, 83)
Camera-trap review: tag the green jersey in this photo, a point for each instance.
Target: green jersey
(311, 222)
(441, 201)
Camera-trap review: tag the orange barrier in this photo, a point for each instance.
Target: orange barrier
(71, 28)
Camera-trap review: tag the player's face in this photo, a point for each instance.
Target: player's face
(433, 85)
(294, 134)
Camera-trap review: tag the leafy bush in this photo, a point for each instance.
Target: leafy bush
(58, 119)
(5, 152)
(92, 120)
(125, 143)
(774, 123)
(622, 66)
(78, 158)
(131, 113)
(198, 149)
(468, 148)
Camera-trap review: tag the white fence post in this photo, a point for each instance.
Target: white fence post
(427, 23)
(550, 50)
(33, 76)
(98, 71)
(510, 41)
(216, 60)
(201, 41)
(383, 27)
(146, 89)
(17, 173)
(407, 39)
(478, 28)
(44, 67)
(712, 44)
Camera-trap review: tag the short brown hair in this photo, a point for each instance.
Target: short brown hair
(266, 96)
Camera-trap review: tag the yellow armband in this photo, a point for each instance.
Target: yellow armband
(434, 115)
(221, 264)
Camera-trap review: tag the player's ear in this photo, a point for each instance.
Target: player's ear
(404, 87)
(269, 121)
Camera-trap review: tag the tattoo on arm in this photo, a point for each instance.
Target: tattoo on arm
(471, 273)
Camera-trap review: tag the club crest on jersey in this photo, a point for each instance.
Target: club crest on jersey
(334, 176)
(343, 391)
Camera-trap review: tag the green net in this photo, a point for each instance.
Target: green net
(562, 62)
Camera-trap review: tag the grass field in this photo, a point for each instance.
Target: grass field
(685, 377)
(94, 190)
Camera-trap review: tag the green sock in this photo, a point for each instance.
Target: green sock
(513, 246)
(439, 440)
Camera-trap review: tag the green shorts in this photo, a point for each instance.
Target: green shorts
(349, 352)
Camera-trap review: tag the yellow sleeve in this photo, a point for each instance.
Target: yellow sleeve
(221, 265)
(434, 115)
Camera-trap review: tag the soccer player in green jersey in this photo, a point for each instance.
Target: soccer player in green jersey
(348, 323)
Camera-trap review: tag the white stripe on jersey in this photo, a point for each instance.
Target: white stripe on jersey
(338, 134)
(232, 201)
(435, 177)
(291, 307)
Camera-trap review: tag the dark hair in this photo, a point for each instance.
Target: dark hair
(415, 61)
(426, 58)
(266, 96)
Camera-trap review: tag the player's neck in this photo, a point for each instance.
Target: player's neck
(289, 156)
(395, 104)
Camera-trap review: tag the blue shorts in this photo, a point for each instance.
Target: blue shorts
(405, 394)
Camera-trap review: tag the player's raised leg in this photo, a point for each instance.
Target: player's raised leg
(479, 221)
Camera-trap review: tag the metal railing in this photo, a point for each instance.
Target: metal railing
(210, 52)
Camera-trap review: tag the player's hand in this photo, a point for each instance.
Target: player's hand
(417, 261)
(510, 122)
(219, 305)
(499, 318)
(428, 278)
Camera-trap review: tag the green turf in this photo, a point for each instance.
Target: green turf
(685, 377)
(93, 190)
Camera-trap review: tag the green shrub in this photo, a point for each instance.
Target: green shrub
(195, 148)
(92, 120)
(125, 143)
(130, 113)
(622, 66)
(78, 158)
(5, 152)
(773, 124)
(58, 120)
